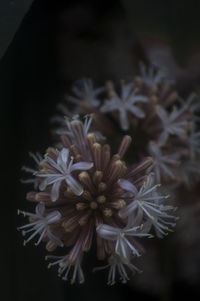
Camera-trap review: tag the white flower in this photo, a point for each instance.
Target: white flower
(40, 224)
(152, 76)
(37, 158)
(161, 162)
(118, 235)
(118, 266)
(146, 204)
(78, 131)
(84, 91)
(124, 104)
(172, 125)
(65, 268)
(61, 171)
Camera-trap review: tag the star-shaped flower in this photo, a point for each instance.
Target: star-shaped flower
(84, 91)
(172, 123)
(146, 205)
(118, 235)
(124, 104)
(61, 171)
(40, 224)
(161, 163)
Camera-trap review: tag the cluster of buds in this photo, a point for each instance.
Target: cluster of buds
(84, 195)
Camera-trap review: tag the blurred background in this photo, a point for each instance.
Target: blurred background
(45, 46)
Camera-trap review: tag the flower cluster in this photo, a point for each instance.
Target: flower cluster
(86, 195)
(162, 124)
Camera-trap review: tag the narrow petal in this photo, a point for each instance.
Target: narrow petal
(128, 186)
(53, 217)
(40, 209)
(63, 157)
(123, 119)
(162, 114)
(43, 185)
(128, 210)
(107, 232)
(81, 166)
(55, 191)
(74, 185)
(136, 111)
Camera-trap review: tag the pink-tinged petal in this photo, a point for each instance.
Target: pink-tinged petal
(81, 166)
(63, 157)
(128, 186)
(55, 191)
(74, 185)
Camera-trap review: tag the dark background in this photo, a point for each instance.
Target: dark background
(57, 43)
